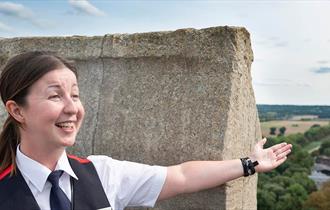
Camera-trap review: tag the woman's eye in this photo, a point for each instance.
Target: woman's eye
(54, 97)
(75, 96)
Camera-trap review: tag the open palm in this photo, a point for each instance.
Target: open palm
(271, 157)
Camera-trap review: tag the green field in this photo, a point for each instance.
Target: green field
(291, 126)
(315, 145)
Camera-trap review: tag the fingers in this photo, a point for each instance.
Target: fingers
(282, 147)
(280, 161)
(276, 147)
(281, 152)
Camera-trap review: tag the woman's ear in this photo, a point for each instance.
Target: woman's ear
(15, 111)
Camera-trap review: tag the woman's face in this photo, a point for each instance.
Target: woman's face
(53, 113)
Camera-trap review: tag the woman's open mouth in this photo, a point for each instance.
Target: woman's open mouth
(68, 125)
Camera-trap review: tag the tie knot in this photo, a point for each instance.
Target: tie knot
(54, 177)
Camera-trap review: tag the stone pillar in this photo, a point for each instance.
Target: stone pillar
(164, 98)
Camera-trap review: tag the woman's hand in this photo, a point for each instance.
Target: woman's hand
(271, 157)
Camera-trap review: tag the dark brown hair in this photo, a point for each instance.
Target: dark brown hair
(17, 76)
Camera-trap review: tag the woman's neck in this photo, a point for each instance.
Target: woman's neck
(45, 156)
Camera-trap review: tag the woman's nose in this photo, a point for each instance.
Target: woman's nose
(70, 106)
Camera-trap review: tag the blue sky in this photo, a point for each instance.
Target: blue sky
(290, 39)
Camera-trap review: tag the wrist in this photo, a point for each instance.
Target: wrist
(252, 157)
(249, 166)
(255, 159)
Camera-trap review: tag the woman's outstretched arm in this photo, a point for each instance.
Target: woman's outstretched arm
(194, 176)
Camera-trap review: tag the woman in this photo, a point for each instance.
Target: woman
(41, 95)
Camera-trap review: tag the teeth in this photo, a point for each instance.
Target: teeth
(65, 125)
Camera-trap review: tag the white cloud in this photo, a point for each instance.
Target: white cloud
(19, 11)
(281, 44)
(4, 27)
(322, 61)
(85, 7)
(322, 70)
(272, 42)
(16, 10)
(282, 83)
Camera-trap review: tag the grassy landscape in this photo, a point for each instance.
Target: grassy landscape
(315, 145)
(290, 187)
(292, 126)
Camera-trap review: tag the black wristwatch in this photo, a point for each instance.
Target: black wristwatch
(248, 166)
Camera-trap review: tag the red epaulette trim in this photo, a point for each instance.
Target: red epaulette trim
(6, 172)
(80, 160)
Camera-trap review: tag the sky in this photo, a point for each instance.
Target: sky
(290, 39)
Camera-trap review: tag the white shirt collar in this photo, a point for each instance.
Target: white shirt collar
(37, 173)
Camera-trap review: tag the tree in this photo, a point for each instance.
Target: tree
(266, 199)
(325, 148)
(293, 198)
(298, 138)
(282, 130)
(287, 187)
(317, 133)
(326, 152)
(319, 200)
(316, 126)
(301, 160)
(305, 181)
(272, 131)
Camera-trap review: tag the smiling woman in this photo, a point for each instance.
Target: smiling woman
(20, 77)
(41, 95)
(56, 92)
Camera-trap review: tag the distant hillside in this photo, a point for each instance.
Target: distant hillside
(283, 112)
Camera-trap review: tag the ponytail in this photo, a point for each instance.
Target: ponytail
(9, 139)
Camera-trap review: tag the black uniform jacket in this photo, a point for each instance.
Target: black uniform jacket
(87, 191)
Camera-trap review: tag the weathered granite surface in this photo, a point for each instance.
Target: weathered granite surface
(163, 98)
